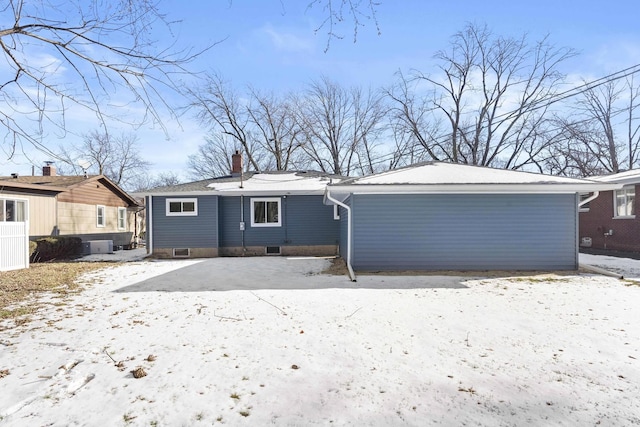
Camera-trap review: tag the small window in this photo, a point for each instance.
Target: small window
(336, 212)
(182, 207)
(122, 218)
(100, 219)
(13, 210)
(624, 202)
(21, 211)
(265, 212)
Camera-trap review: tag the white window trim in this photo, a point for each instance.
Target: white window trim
(124, 227)
(336, 212)
(615, 203)
(16, 202)
(189, 200)
(104, 216)
(266, 199)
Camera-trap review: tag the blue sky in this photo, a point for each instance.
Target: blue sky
(271, 45)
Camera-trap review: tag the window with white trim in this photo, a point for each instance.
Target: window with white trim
(12, 210)
(122, 218)
(182, 207)
(265, 212)
(100, 216)
(624, 202)
(336, 212)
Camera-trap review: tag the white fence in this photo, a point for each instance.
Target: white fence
(14, 245)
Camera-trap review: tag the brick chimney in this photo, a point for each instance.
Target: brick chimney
(236, 163)
(49, 169)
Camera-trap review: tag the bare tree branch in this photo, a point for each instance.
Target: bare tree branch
(86, 54)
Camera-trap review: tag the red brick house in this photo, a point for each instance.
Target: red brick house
(609, 220)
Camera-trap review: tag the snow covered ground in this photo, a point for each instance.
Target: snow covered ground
(539, 350)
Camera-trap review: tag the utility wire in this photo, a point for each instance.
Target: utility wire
(544, 103)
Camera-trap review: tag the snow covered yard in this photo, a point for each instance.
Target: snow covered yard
(301, 348)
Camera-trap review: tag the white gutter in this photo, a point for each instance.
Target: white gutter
(540, 188)
(327, 194)
(588, 199)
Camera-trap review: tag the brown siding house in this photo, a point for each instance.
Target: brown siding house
(89, 207)
(609, 221)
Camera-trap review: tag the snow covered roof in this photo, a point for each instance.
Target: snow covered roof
(457, 178)
(627, 177)
(276, 183)
(256, 183)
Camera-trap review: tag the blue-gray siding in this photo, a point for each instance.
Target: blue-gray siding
(306, 221)
(199, 231)
(464, 231)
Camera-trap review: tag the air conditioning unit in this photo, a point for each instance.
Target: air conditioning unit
(98, 247)
(585, 242)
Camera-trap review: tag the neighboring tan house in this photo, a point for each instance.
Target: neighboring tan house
(89, 207)
(608, 219)
(442, 216)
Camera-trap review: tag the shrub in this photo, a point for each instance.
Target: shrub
(56, 248)
(32, 247)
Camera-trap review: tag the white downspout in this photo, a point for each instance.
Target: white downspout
(149, 229)
(588, 199)
(327, 194)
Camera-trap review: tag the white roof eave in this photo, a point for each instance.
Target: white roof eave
(237, 192)
(539, 188)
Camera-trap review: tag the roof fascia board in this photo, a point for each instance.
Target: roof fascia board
(627, 181)
(237, 192)
(39, 187)
(474, 188)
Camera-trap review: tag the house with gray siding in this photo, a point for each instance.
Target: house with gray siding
(269, 213)
(441, 216)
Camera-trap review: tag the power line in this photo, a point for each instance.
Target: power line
(544, 103)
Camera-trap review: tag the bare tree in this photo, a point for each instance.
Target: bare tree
(603, 133)
(276, 131)
(219, 107)
(213, 157)
(118, 158)
(339, 126)
(487, 105)
(338, 11)
(148, 181)
(261, 126)
(367, 126)
(87, 54)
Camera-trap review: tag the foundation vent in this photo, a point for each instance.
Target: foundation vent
(273, 250)
(181, 253)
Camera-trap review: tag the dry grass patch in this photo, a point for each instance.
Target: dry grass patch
(338, 267)
(19, 287)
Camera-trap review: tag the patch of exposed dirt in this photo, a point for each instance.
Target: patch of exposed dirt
(19, 289)
(338, 267)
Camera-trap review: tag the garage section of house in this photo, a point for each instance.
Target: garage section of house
(438, 216)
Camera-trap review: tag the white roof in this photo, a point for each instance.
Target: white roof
(458, 178)
(627, 177)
